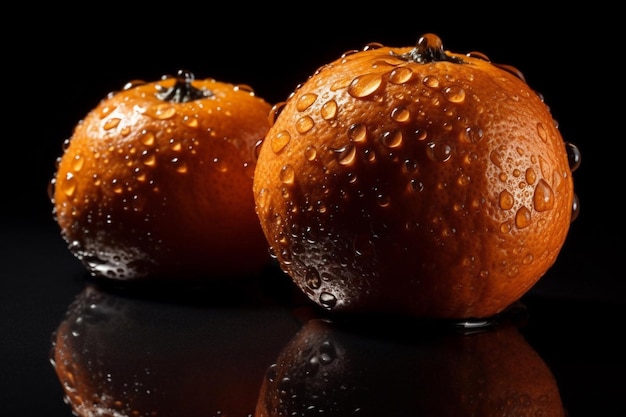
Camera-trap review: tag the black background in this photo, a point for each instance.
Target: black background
(57, 64)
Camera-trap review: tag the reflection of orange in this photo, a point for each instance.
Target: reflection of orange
(119, 355)
(415, 180)
(332, 370)
(156, 180)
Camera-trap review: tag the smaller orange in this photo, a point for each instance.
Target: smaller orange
(156, 181)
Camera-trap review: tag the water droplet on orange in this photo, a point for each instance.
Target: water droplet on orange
(431, 81)
(280, 140)
(287, 174)
(472, 135)
(347, 155)
(148, 159)
(392, 139)
(220, 165)
(77, 163)
(438, 151)
(312, 278)
(454, 94)
(327, 300)
(506, 200)
(523, 218)
(147, 138)
(531, 176)
(161, 111)
(357, 133)
(573, 156)
(400, 75)
(117, 186)
(191, 121)
(400, 114)
(543, 198)
(541, 131)
(305, 101)
(304, 124)
(329, 110)
(69, 185)
(310, 153)
(180, 166)
(111, 123)
(365, 85)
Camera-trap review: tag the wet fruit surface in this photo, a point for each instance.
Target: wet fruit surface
(156, 180)
(415, 180)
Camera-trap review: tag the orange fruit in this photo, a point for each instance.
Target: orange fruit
(415, 180)
(156, 181)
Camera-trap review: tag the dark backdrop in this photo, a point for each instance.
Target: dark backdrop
(58, 63)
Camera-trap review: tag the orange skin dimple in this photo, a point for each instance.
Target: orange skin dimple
(154, 188)
(411, 170)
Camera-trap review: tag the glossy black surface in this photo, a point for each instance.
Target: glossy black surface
(208, 345)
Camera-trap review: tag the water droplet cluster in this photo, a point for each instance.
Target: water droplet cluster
(398, 164)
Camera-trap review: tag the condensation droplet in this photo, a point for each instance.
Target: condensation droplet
(112, 123)
(220, 165)
(287, 174)
(454, 94)
(431, 81)
(280, 140)
(573, 156)
(541, 131)
(191, 121)
(357, 133)
(148, 159)
(162, 111)
(382, 200)
(472, 135)
(438, 152)
(543, 198)
(116, 186)
(180, 166)
(575, 208)
(329, 110)
(312, 278)
(400, 75)
(505, 227)
(69, 185)
(347, 155)
(531, 176)
(400, 114)
(310, 153)
(175, 145)
(421, 135)
(147, 138)
(327, 300)
(506, 200)
(304, 124)
(392, 139)
(305, 101)
(410, 166)
(528, 259)
(496, 157)
(106, 110)
(365, 85)
(77, 163)
(522, 218)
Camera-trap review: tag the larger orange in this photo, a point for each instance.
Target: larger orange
(156, 181)
(415, 180)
